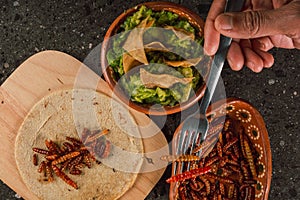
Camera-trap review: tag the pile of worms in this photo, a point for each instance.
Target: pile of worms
(71, 156)
(228, 171)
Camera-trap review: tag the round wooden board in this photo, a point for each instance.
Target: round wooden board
(49, 71)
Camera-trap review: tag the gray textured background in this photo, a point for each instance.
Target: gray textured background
(75, 27)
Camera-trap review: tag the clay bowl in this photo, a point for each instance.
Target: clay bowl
(108, 73)
(246, 120)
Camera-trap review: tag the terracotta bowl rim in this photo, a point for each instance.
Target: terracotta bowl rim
(159, 5)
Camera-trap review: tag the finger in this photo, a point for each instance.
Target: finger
(263, 43)
(211, 39)
(268, 59)
(211, 35)
(261, 46)
(252, 60)
(260, 23)
(235, 56)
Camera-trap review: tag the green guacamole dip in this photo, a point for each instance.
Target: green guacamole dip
(179, 50)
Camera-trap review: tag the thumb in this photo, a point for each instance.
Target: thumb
(253, 24)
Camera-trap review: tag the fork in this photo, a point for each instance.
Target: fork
(194, 130)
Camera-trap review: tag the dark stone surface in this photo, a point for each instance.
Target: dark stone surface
(75, 27)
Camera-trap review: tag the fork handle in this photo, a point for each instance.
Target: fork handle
(219, 59)
(215, 71)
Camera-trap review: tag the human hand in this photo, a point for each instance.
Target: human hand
(262, 25)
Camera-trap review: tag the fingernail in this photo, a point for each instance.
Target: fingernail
(230, 63)
(251, 65)
(209, 51)
(258, 69)
(226, 22)
(236, 67)
(254, 68)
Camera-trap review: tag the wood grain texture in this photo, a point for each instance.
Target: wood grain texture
(49, 71)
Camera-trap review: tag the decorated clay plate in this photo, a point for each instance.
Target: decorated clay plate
(235, 158)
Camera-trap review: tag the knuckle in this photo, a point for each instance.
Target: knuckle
(295, 38)
(293, 35)
(253, 21)
(296, 43)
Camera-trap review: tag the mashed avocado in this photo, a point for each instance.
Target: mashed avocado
(178, 50)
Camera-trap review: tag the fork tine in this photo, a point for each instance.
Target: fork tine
(179, 143)
(204, 135)
(198, 142)
(192, 141)
(186, 145)
(185, 139)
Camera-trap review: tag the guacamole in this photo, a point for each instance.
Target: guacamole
(163, 43)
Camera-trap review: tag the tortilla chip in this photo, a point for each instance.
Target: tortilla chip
(66, 113)
(134, 44)
(186, 93)
(129, 62)
(181, 33)
(145, 23)
(184, 63)
(156, 46)
(161, 80)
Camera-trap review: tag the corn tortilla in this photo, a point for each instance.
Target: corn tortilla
(66, 113)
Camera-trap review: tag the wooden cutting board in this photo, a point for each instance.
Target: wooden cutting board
(49, 71)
